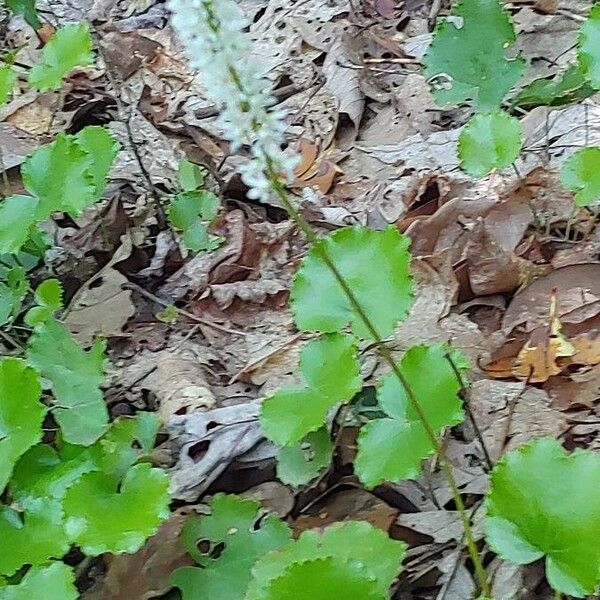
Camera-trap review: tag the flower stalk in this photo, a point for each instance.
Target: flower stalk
(212, 32)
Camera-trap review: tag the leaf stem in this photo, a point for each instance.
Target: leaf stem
(385, 352)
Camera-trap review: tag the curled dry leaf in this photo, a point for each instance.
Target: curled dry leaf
(208, 442)
(181, 386)
(101, 306)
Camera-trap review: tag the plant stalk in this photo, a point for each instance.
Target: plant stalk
(385, 352)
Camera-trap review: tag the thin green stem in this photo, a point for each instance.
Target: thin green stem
(385, 352)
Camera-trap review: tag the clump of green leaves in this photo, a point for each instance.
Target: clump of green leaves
(67, 175)
(193, 209)
(393, 442)
(469, 62)
(244, 555)
(70, 494)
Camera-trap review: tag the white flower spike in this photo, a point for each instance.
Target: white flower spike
(219, 50)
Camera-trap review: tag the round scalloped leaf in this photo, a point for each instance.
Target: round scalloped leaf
(21, 413)
(102, 516)
(298, 465)
(331, 372)
(236, 527)
(580, 174)
(391, 449)
(55, 581)
(589, 46)
(376, 266)
(469, 61)
(489, 142)
(545, 502)
(320, 579)
(364, 549)
(69, 47)
(34, 536)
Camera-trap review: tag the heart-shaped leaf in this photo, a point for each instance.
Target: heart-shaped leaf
(589, 46)
(299, 464)
(357, 548)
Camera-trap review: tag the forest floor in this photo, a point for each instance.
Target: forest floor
(201, 339)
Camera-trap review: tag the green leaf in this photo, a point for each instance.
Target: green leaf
(545, 502)
(580, 174)
(234, 524)
(488, 142)
(44, 472)
(299, 464)
(191, 175)
(69, 47)
(8, 79)
(391, 449)
(59, 175)
(469, 62)
(374, 263)
(320, 579)
(356, 546)
(190, 212)
(55, 581)
(105, 515)
(48, 297)
(589, 46)
(12, 293)
(33, 536)
(566, 88)
(25, 8)
(21, 413)
(17, 216)
(330, 371)
(75, 376)
(102, 148)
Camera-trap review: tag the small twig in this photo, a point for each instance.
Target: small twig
(467, 405)
(150, 296)
(567, 13)
(161, 214)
